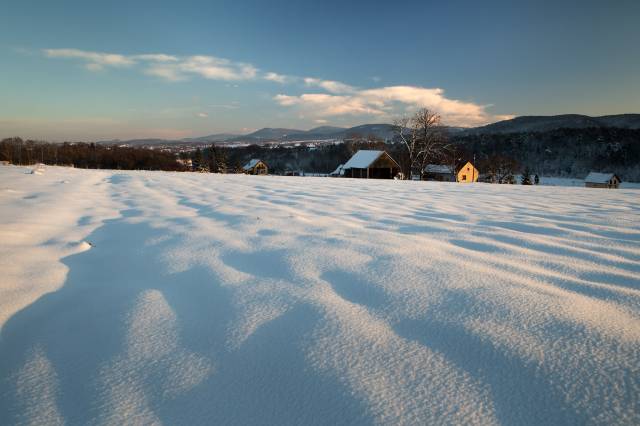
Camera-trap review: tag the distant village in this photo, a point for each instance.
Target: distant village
(375, 164)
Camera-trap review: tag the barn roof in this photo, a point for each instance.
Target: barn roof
(595, 177)
(251, 164)
(438, 168)
(363, 159)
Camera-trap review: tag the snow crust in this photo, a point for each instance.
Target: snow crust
(184, 298)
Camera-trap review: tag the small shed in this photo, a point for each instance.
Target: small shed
(468, 173)
(371, 164)
(602, 180)
(439, 172)
(255, 166)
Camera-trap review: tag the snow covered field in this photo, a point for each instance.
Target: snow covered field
(151, 297)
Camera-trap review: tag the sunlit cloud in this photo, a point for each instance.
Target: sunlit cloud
(388, 102)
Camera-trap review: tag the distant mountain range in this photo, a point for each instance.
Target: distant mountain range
(385, 131)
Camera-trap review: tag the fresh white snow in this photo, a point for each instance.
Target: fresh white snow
(184, 298)
(362, 159)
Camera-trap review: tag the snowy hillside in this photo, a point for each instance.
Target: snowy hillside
(151, 297)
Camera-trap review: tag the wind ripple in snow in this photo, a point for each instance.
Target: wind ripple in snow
(239, 299)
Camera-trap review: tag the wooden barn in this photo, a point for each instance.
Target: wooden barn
(468, 173)
(255, 167)
(371, 164)
(439, 172)
(602, 180)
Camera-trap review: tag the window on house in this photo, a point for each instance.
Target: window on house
(464, 177)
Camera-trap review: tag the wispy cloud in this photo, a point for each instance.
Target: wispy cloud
(167, 67)
(329, 85)
(278, 78)
(213, 68)
(95, 61)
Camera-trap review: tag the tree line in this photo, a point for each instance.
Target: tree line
(87, 155)
(420, 139)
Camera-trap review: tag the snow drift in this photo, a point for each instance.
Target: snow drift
(150, 297)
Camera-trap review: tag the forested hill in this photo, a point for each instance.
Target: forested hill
(528, 123)
(562, 152)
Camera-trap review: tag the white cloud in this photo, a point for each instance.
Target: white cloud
(167, 67)
(325, 105)
(329, 85)
(278, 78)
(387, 102)
(96, 61)
(214, 68)
(156, 57)
(203, 115)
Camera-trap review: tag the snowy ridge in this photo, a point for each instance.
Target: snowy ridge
(229, 299)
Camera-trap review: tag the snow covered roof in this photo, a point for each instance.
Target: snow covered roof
(251, 164)
(438, 168)
(594, 177)
(362, 159)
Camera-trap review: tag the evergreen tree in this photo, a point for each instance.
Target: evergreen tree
(211, 159)
(221, 159)
(197, 160)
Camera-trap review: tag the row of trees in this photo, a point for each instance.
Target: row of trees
(86, 155)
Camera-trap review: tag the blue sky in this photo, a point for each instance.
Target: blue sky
(82, 70)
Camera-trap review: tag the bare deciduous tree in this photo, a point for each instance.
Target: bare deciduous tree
(424, 138)
(501, 169)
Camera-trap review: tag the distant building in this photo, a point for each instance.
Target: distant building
(602, 180)
(468, 173)
(439, 172)
(255, 167)
(4, 163)
(371, 164)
